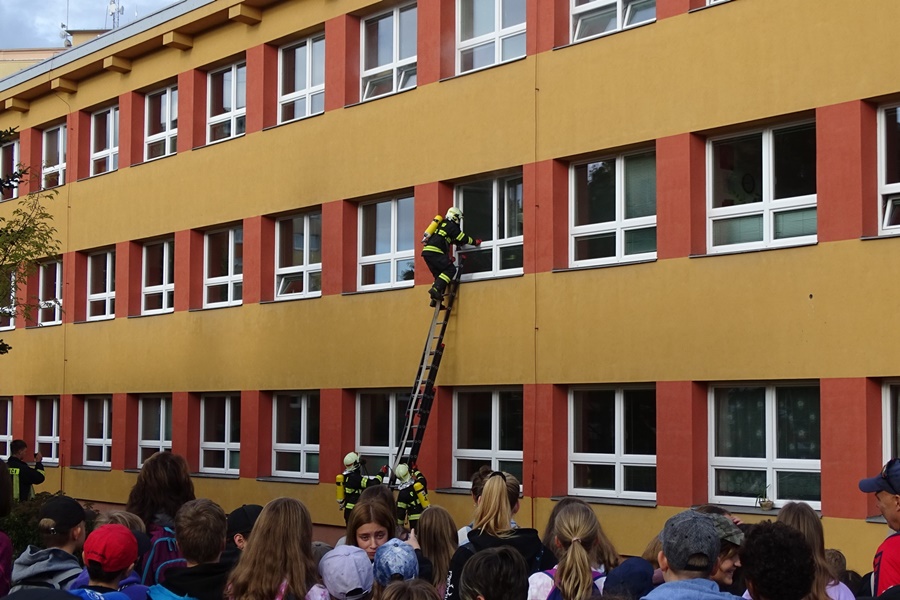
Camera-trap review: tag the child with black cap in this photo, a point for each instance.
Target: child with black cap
(61, 527)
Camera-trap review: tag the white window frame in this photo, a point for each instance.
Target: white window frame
(106, 297)
(397, 406)
(105, 441)
(50, 298)
(169, 135)
(284, 276)
(165, 417)
(497, 244)
(53, 438)
(494, 455)
(890, 410)
(497, 36)
(232, 279)
(303, 448)
(13, 147)
(9, 311)
(237, 115)
(7, 437)
(771, 464)
(401, 71)
(393, 256)
(619, 226)
(312, 94)
(228, 446)
(625, 12)
(167, 286)
(59, 168)
(109, 153)
(618, 459)
(888, 193)
(767, 208)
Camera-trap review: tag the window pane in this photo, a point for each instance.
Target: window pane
(156, 149)
(596, 22)
(156, 122)
(290, 242)
(512, 47)
(512, 12)
(101, 132)
(476, 18)
(97, 266)
(220, 92)
(640, 479)
(640, 421)
(740, 415)
(46, 424)
(214, 459)
(477, 201)
(214, 419)
(288, 461)
(478, 261)
(598, 477)
(51, 147)
(640, 186)
(601, 245)
(376, 228)
(318, 62)
(93, 453)
(235, 430)
(640, 11)
(150, 418)
(312, 463)
(94, 418)
(797, 422)
(241, 87)
(474, 420)
(312, 419)
(408, 33)
(315, 281)
(513, 467)
(217, 254)
(377, 273)
(594, 421)
(794, 223)
(315, 238)
(512, 207)
(287, 420)
(639, 241)
(795, 161)
(478, 57)
(293, 110)
(892, 145)
(374, 419)
(743, 483)
(737, 171)
(465, 469)
(595, 193)
(799, 486)
(406, 270)
(293, 69)
(405, 225)
(738, 231)
(511, 418)
(379, 41)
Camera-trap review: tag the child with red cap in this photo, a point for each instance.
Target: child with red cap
(109, 554)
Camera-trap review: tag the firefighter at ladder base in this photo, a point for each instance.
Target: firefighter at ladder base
(351, 482)
(437, 250)
(412, 497)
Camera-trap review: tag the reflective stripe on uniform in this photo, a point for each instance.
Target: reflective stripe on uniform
(14, 473)
(432, 249)
(445, 277)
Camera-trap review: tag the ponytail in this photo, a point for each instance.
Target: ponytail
(577, 532)
(493, 514)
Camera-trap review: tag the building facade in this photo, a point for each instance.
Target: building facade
(689, 210)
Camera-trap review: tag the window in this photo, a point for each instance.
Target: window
(889, 170)
(762, 189)
(105, 141)
(101, 273)
(302, 79)
(224, 262)
(220, 441)
(47, 428)
(8, 312)
(298, 261)
(489, 206)
(389, 52)
(764, 440)
(9, 163)
(380, 418)
(490, 32)
(295, 433)
(161, 134)
(612, 443)
(592, 18)
(50, 293)
(613, 215)
(97, 431)
(53, 172)
(154, 425)
(158, 278)
(386, 244)
(6, 432)
(227, 103)
(487, 430)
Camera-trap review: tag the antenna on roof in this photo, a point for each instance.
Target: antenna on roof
(116, 9)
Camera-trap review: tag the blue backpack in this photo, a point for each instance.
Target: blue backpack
(555, 594)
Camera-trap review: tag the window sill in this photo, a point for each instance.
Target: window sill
(215, 475)
(98, 175)
(606, 266)
(605, 35)
(699, 8)
(288, 299)
(148, 161)
(84, 321)
(157, 314)
(284, 479)
(379, 290)
(736, 509)
(491, 277)
(205, 308)
(883, 236)
(292, 121)
(92, 468)
(483, 69)
(217, 142)
(611, 501)
(752, 250)
(43, 325)
(457, 491)
(382, 97)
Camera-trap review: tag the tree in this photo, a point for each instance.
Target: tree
(26, 236)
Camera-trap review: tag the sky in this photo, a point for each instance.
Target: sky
(36, 23)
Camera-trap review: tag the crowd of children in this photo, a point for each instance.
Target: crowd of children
(169, 545)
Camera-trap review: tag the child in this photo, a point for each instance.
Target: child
(109, 555)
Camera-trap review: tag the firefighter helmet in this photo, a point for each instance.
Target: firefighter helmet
(454, 214)
(351, 459)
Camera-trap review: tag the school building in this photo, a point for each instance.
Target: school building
(686, 291)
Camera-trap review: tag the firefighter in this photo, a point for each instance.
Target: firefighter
(412, 497)
(24, 476)
(437, 252)
(351, 482)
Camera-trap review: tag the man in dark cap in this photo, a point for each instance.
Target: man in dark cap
(62, 530)
(886, 487)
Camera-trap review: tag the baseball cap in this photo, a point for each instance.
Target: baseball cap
(65, 512)
(632, 578)
(687, 534)
(320, 549)
(727, 530)
(346, 572)
(886, 481)
(113, 546)
(241, 520)
(393, 559)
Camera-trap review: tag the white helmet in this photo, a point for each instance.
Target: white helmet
(351, 459)
(454, 214)
(402, 472)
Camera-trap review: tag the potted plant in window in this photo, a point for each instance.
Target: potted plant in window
(763, 501)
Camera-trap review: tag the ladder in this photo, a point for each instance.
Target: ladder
(422, 394)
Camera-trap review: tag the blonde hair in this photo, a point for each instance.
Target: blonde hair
(804, 519)
(578, 533)
(437, 537)
(280, 550)
(493, 514)
(121, 517)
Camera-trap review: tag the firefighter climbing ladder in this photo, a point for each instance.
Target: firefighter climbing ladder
(422, 395)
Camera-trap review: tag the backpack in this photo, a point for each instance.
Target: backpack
(58, 581)
(555, 594)
(163, 554)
